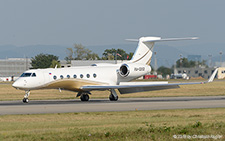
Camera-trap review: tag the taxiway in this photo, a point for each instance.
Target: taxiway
(103, 105)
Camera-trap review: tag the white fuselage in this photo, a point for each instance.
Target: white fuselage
(75, 77)
(99, 76)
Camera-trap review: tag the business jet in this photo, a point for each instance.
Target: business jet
(85, 79)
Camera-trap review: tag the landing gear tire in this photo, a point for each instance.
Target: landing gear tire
(84, 97)
(25, 100)
(113, 98)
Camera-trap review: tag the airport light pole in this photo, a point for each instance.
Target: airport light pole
(221, 53)
(116, 57)
(155, 67)
(210, 60)
(180, 60)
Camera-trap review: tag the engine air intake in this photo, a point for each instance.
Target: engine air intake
(124, 70)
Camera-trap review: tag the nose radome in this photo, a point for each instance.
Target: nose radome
(16, 84)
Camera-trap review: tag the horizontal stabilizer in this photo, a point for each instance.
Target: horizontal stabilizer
(172, 39)
(159, 39)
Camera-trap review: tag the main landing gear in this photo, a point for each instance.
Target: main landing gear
(27, 93)
(113, 96)
(84, 96)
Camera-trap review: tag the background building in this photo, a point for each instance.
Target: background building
(14, 66)
(196, 72)
(221, 73)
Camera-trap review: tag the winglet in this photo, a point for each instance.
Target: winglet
(212, 76)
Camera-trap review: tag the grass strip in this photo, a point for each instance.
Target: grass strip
(132, 125)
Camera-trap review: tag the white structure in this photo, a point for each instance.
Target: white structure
(14, 66)
(91, 62)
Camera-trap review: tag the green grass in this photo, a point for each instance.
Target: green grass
(134, 125)
(7, 92)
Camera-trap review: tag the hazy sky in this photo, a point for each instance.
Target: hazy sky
(102, 22)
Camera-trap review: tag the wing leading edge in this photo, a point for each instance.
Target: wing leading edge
(132, 87)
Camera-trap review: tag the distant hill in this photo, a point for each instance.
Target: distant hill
(166, 55)
(9, 51)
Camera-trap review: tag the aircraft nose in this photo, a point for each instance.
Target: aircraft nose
(16, 84)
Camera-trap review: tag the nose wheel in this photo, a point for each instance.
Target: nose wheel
(26, 100)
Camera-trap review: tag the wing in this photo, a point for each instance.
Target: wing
(132, 87)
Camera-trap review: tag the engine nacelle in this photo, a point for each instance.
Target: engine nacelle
(134, 70)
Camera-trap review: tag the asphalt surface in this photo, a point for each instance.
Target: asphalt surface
(103, 105)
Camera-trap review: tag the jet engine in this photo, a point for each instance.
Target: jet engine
(134, 70)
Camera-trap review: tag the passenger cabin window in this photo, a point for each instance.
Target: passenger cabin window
(61, 76)
(68, 76)
(34, 75)
(81, 76)
(94, 75)
(26, 75)
(94, 65)
(74, 76)
(54, 77)
(88, 75)
(196, 71)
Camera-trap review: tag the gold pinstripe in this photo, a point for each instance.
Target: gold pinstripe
(149, 61)
(71, 84)
(141, 57)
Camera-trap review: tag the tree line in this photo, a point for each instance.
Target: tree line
(79, 52)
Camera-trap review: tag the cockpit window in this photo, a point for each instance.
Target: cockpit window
(26, 75)
(34, 75)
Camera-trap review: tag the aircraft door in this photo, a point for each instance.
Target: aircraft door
(46, 77)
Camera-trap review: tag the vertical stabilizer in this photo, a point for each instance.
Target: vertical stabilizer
(143, 53)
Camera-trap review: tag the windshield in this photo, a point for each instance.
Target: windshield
(26, 75)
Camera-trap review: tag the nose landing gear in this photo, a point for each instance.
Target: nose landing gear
(27, 93)
(25, 100)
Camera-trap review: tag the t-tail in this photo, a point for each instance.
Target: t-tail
(143, 53)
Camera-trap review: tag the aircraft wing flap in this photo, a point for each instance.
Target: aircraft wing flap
(141, 85)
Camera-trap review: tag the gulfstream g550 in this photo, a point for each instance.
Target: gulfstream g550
(101, 76)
